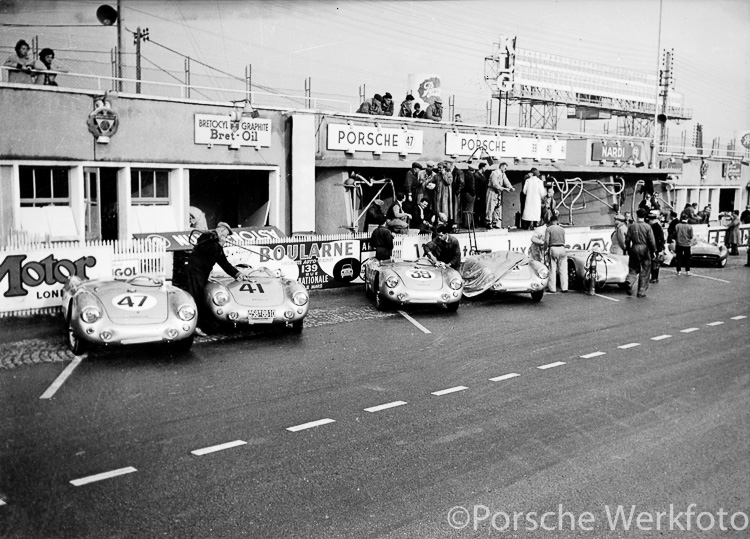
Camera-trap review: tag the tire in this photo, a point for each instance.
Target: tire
(722, 263)
(381, 304)
(453, 307)
(573, 281)
(538, 295)
(76, 345)
(624, 286)
(297, 326)
(369, 294)
(183, 346)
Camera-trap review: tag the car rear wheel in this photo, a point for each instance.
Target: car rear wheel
(183, 346)
(297, 326)
(538, 295)
(573, 281)
(77, 345)
(721, 263)
(453, 307)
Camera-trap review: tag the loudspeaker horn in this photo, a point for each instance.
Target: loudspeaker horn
(107, 15)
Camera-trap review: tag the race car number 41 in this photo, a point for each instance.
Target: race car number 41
(134, 302)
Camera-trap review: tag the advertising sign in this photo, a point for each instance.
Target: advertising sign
(465, 144)
(731, 170)
(617, 149)
(424, 87)
(180, 241)
(230, 129)
(373, 139)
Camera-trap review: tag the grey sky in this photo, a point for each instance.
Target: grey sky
(342, 45)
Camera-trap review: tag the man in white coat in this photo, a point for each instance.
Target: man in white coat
(532, 212)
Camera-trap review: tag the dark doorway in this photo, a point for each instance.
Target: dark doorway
(726, 199)
(237, 197)
(108, 203)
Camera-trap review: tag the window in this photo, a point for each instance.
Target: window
(44, 186)
(149, 186)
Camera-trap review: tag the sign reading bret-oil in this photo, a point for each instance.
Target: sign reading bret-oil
(315, 264)
(232, 129)
(613, 150)
(373, 139)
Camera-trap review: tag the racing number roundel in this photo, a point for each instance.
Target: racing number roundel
(134, 302)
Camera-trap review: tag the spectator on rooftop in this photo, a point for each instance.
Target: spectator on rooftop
(46, 63)
(406, 107)
(435, 110)
(418, 112)
(387, 104)
(21, 64)
(372, 106)
(457, 118)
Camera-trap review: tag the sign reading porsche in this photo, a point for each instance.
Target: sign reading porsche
(228, 130)
(505, 147)
(363, 138)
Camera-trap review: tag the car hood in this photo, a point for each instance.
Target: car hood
(418, 276)
(480, 272)
(257, 292)
(126, 303)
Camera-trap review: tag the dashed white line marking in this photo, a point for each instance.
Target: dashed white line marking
(689, 330)
(385, 406)
(707, 277)
(593, 354)
(60, 380)
(550, 365)
(504, 377)
(311, 424)
(660, 337)
(220, 447)
(605, 297)
(715, 323)
(449, 390)
(102, 476)
(740, 317)
(410, 319)
(629, 345)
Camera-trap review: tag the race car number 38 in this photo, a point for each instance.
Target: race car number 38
(134, 302)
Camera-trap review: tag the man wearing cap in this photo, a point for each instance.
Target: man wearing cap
(745, 216)
(683, 238)
(457, 187)
(387, 104)
(480, 202)
(375, 213)
(411, 182)
(371, 106)
(381, 240)
(435, 110)
(653, 220)
(469, 195)
(406, 109)
(641, 249)
(427, 181)
(554, 240)
(208, 251)
(618, 236)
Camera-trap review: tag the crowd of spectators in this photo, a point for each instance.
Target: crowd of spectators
(382, 105)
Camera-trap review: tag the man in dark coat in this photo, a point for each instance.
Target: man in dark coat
(653, 220)
(482, 180)
(444, 249)
(381, 240)
(641, 245)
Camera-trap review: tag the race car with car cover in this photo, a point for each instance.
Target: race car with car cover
(504, 272)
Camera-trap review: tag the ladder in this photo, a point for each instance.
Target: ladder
(473, 247)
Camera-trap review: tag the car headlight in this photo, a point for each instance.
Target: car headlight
(391, 282)
(543, 273)
(186, 312)
(300, 298)
(455, 284)
(221, 298)
(90, 315)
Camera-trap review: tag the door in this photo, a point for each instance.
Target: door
(93, 209)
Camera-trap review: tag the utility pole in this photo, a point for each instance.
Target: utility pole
(249, 83)
(139, 36)
(655, 140)
(187, 77)
(119, 46)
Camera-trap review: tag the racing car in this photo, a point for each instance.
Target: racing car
(143, 309)
(412, 282)
(702, 252)
(504, 271)
(264, 297)
(610, 268)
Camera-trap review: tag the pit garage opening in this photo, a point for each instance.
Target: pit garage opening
(237, 197)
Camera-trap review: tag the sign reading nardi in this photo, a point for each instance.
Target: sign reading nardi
(216, 129)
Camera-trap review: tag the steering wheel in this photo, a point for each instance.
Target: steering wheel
(145, 280)
(424, 261)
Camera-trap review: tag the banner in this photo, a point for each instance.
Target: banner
(226, 130)
(424, 87)
(363, 138)
(465, 144)
(180, 241)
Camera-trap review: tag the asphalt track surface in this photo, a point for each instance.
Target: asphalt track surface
(641, 402)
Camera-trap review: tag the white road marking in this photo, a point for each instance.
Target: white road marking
(102, 476)
(60, 380)
(385, 406)
(629, 345)
(449, 390)
(504, 377)
(740, 317)
(2, 502)
(311, 424)
(550, 365)
(689, 330)
(707, 277)
(715, 324)
(220, 447)
(410, 319)
(606, 297)
(593, 354)
(661, 337)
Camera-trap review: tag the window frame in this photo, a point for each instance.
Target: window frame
(136, 174)
(39, 201)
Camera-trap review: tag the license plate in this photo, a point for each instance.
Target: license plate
(260, 316)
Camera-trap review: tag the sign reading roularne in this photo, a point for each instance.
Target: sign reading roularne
(362, 138)
(504, 147)
(216, 129)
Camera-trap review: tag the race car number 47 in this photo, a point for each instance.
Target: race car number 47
(134, 302)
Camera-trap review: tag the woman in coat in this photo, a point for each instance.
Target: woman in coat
(732, 238)
(22, 64)
(47, 63)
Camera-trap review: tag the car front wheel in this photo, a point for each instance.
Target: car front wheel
(538, 295)
(297, 326)
(77, 345)
(721, 263)
(183, 346)
(453, 307)
(381, 304)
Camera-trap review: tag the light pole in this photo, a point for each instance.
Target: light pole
(655, 140)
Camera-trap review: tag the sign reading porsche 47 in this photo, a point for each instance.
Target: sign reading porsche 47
(363, 138)
(227, 130)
